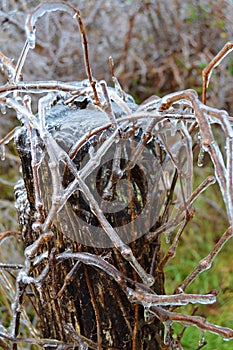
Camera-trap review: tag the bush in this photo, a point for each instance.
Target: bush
(163, 139)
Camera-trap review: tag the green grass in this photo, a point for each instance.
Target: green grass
(192, 338)
(197, 241)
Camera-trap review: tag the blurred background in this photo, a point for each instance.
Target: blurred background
(157, 47)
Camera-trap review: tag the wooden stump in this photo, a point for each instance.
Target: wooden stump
(91, 306)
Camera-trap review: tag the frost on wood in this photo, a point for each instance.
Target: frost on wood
(104, 181)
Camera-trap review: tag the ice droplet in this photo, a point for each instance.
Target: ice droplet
(180, 290)
(226, 339)
(202, 338)
(167, 330)
(168, 235)
(201, 152)
(3, 109)
(147, 313)
(200, 157)
(31, 38)
(3, 152)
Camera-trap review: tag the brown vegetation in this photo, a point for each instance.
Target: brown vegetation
(85, 290)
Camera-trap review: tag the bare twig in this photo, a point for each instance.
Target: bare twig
(207, 262)
(207, 72)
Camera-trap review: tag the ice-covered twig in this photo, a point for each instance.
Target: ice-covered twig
(11, 266)
(44, 8)
(166, 316)
(38, 87)
(84, 343)
(33, 249)
(207, 72)
(139, 294)
(35, 162)
(172, 250)
(148, 299)
(206, 262)
(8, 137)
(7, 65)
(98, 261)
(6, 234)
(209, 143)
(19, 66)
(108, 108)
(180, 216)
(39, 342)
(115, 80)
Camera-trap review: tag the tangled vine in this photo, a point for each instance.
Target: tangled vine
(118, 140)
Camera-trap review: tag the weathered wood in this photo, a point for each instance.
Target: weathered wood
(92, 302)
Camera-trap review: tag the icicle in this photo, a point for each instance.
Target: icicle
(202, 338)
(40, 11)
(147, 313)
(168, 235)
(27, 100)
(2, 152)
(167, 330)
(3, 108)
(174, 128)
(200, 157)
(201, 152)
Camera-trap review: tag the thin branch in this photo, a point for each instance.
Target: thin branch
(6, 234)
(166, 316)
(207, 262)
(207, 72)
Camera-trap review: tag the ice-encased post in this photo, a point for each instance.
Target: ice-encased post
(74, 296)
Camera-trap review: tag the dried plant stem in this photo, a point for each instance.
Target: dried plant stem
(6, 234)
(82, 341)
(38, 342)
(115, 80)
(19, 66)
(167, 316)
(8, 137)
(87, 64)
(182, 210)
(207, 72)
(68, 278)
(58, 6)
(38, 87)
(207, 262)
(159, 126)
(172, 250)
(209, 143)
(108, 108)
(11, 266)
(8, 66)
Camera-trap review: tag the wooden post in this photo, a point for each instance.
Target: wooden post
(78, 303)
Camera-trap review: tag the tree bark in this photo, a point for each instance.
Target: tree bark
(91, 308)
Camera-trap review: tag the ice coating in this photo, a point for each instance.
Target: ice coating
(161, 119)
(40, 11)
(2, 152)
(217, 60)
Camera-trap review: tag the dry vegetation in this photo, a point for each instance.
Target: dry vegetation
(159, 48)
